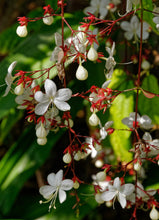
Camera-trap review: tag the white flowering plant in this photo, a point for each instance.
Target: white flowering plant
(79, 111)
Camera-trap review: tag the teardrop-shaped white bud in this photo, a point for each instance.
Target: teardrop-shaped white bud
(98, 147)
(81, 73)
(41, 131)
(78, 156)
(92, 54)
(19, 89)
(22, 31)
(101, 176)
(76, 185)
(99, 163)
(98, 198)
(154, 214)
(48, 20)
(67, 158)
(42, 141)
(145, 65)
(137, 166)
(93, 120)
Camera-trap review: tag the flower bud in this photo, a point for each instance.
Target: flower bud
(40, 131)
(48, 20)
(78, 156)
(99, 163)
(81, 73)
(19, 89)
(154, 215)
(109, 204)
(92, 54)
(145, 65)
(98, 198)
(101, 176)
(70, 122)
(137, 166)
(22, 31)
(76, 185)
(93, 120)
(67, 158)
(42, 141)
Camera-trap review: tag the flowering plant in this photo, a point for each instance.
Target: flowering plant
(92, 100)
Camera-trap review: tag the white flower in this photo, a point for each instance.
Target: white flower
(56, 186)
(130, 3)
(133, 28)
(152, 145)
(98, 7)
(118, 191)
(103, 132)
(52, 96)
(22, 31)
(9, 78)
(144, 121)
(110, 62)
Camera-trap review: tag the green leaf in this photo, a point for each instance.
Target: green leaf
(117, 79)
(151, 106)
(122, 106)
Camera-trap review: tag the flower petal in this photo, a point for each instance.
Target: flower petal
(50, 88)
(63, 94)
(41, 97)
(63, 106)
(127, 189)
(51, 179)
(128, 35)
(117, 183)
(41, 108)
(47, 191)
(11, 67)
(66, 184)
(62, 196)
(58, 177)
(108, 195)
(122, 200)
(125, 25)
(147, 136)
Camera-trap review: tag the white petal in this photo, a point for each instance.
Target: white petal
(58, 39)
(41, 97)
(128, 6)
(90, 9)
(47, 191)
(63, 94)
(62, 196)
(59, 177)
(7, 90)
(108, 124)
(107, 196)
(134, 23)
(128, 35)
(41, 108)
(51, 179)
(122, 200)
(125, 25)
(11, 67)
(50, 88)
(147, 136)
(156, 20)
(63, 106)
(66, 184)
(127, 189)
(116, 183)
(105, 85)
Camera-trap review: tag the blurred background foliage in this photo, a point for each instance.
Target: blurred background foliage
(23, 163)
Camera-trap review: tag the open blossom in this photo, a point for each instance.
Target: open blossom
(103, 130)
(9, 78)
(118, 191)
(56, 186)
(144, 121)
(52, 96)
(133, 29)
(152, 145)
(110, 62)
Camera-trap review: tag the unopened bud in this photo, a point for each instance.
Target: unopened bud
(145, 65)
(70, 124)
(154, 215)
(99, 163)
(19, 89)
(42, 141)
(92, 54)
(48, 20)
(93, 120)
(98, 198)
(67, 158)
(76, 185)
(41, 131)
(137, 166)
(101, 176)
(81, 73)
(22, 31)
